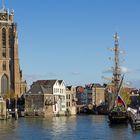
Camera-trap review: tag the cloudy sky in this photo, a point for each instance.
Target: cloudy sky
(69, 39)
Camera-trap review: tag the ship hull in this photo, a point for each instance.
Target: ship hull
(118, 117)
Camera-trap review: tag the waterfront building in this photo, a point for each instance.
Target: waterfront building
(80, 95)
(98, 94)
(55, 89)
(10, 73)
(39, 100)
(59, 92)
(91, 94)
(71, 100)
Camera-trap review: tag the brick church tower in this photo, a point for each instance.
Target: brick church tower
(10, 73)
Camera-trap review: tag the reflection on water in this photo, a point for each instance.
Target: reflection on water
(65, 128)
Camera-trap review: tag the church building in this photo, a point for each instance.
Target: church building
(10, 73)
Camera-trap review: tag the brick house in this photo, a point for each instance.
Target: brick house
(39, 101)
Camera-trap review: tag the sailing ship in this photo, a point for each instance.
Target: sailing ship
(117, 108)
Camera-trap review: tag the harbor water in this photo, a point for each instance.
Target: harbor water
(86, 127)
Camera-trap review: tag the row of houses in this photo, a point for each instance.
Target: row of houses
(50, 97)
(91, 94)
(53, 97)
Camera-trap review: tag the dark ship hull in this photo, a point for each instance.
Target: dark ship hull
(118, 116)
(119, 113)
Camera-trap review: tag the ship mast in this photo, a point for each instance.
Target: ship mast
(117, 71)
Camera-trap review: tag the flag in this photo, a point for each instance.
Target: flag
(120, 101)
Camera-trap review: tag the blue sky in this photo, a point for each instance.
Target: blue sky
(68, 39)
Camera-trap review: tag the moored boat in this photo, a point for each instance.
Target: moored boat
(119, 113)
(117, 107)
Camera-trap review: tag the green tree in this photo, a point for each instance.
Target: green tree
(10, 95)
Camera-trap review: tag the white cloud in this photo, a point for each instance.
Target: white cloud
(75, 73)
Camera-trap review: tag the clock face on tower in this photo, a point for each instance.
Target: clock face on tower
(3, 17)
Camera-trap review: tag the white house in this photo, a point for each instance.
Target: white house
(58, 89)
(59, 92)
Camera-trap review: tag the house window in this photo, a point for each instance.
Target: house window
(3, 37)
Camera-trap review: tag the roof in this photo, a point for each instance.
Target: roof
(69, 87)
(97, 85)
(49, 82)
(43, 86)
(46, 82)
(37, 88)
(60, 81)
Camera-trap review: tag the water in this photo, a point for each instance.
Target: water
(66, 128)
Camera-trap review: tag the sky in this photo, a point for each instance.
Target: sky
(70, 39)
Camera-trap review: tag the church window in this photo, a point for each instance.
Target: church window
(4, 37)
(4, 66)
(10, 37)
(4, 84)
(4, 53)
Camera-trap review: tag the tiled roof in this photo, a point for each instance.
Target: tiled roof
(37, 88)
(46, 82)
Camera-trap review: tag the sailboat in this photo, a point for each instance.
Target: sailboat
(117, 108)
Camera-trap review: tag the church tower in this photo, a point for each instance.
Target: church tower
(10, 73)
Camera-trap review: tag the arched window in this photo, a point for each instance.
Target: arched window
(3, 37)
(4, 84)
(4, 52)
(4, 66)
(10, 37)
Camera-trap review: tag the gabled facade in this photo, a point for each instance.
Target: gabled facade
(59, 92)
(71, 100)
(39, 101)
(57, 88)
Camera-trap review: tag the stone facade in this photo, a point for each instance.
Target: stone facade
(99, 97)
(10, 73)
(38, 101)
(71, 100)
